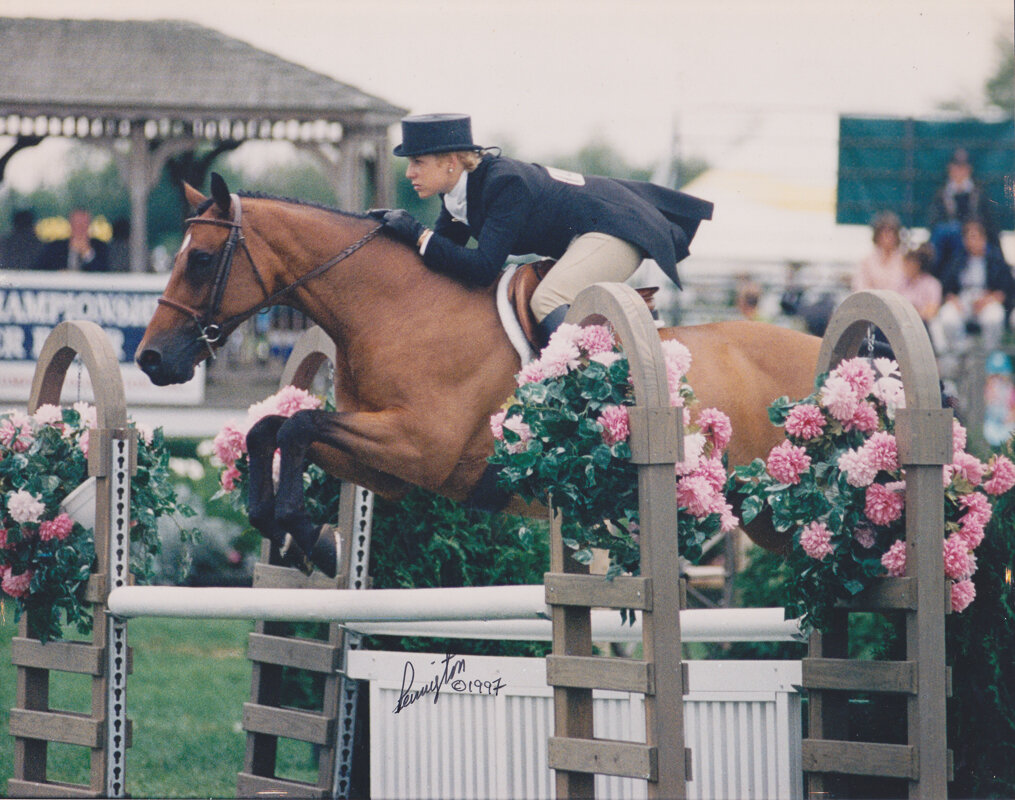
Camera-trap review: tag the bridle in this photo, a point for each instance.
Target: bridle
(211, 333)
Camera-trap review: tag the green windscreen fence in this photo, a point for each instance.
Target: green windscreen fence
(897, 164)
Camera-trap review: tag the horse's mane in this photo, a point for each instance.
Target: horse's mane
(292, 201)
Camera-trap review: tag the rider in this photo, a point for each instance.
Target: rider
(598, 229)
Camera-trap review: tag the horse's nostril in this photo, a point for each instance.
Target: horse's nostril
(149, 360)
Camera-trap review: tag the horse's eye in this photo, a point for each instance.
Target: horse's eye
(199, 266)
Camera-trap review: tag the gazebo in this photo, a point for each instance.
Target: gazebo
(150, 90)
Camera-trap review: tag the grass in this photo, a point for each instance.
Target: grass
(185, 697)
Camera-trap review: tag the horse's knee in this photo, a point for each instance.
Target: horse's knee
(263, 433)
(298, 431)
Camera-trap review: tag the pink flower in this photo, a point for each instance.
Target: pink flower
(857, 372)
(894, 560)
(228, 477)
(516, 425)
(968, 467)
(1002, 475)
(864, 536)
(531, 373)
(882, 505)
(607, 358)
(786, 462)
(963, 593)
(84, 441)
(58, 528)
(882, 450)
(696, 495)
(88, 414)
(865, 418)
(816, 540)
(291, 399)
(23, 506)
(16, 585)
(49, 414)
(958, 564)
(805, 422)
(560, 356)
(728, 521)
(16, 432)
(712, 470)
(229, 444)
(978, 509)
(616, 424)
(958, 436)
(857, 467)
(497, 424)
(677, 358)
(838, 397)
(596, 339)
(716, 426)
(3, 538)
(694, 448)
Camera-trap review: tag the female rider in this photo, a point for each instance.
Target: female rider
(598, 229)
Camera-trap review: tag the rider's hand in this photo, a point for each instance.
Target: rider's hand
(403, 226)
(378, 213)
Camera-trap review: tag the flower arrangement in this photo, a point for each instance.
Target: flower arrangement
(45, 556)
(564, 434)
(837, 485)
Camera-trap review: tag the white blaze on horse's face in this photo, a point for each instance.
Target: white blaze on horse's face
(185, 245)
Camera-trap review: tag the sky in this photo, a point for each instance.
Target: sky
(745, 84)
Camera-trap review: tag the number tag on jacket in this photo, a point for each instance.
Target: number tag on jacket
(564, 176)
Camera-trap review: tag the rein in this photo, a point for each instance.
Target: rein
(211, 332)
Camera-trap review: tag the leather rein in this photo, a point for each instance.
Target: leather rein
(212, 332)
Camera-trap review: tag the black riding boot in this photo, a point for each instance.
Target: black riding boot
(550, 323)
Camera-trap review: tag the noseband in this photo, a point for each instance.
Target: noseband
(211, 332)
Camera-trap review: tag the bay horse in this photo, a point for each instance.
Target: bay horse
(422, 359)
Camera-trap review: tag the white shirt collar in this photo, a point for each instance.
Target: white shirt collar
(455, 201)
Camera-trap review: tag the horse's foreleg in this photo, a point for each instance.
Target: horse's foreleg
(261, 446)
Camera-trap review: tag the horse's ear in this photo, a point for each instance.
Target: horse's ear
(194, 197)
(220, 193)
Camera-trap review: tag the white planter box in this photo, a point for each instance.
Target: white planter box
(484, 734)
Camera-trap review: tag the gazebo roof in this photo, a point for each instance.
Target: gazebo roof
(93, 77)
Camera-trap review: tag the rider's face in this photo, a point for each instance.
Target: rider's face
(431, 174)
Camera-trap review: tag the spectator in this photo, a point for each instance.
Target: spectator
(978, 288)
(919, 286)
(748, 299)
(882, 267)
(19, 248)
(960, 199)
(119, 246)
(78, 253)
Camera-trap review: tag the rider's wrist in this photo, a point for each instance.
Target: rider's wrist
(424, 238)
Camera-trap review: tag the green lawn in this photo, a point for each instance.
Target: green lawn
(185, 697)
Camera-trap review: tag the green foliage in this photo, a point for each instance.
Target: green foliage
(981, 650)
(45, 557)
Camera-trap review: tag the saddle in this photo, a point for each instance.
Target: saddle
(524, 282)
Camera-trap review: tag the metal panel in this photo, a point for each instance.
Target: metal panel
(742, 726)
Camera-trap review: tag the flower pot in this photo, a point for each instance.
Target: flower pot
(80, 504)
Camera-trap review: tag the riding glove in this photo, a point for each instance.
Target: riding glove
(403, 226)
(378, 213)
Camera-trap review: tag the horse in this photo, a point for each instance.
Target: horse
(422, 360)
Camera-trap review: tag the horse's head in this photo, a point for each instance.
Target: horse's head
(207, 295)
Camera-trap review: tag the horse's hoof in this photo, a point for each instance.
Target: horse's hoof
(326, 554)
(293, 556)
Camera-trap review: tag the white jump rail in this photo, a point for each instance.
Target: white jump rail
(516, 612)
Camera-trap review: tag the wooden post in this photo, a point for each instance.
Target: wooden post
(106, 658)
(656, 444)
(924, 434)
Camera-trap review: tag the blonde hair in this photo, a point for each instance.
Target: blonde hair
(469, 158)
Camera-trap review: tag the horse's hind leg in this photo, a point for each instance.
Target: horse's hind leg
(261, 446)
